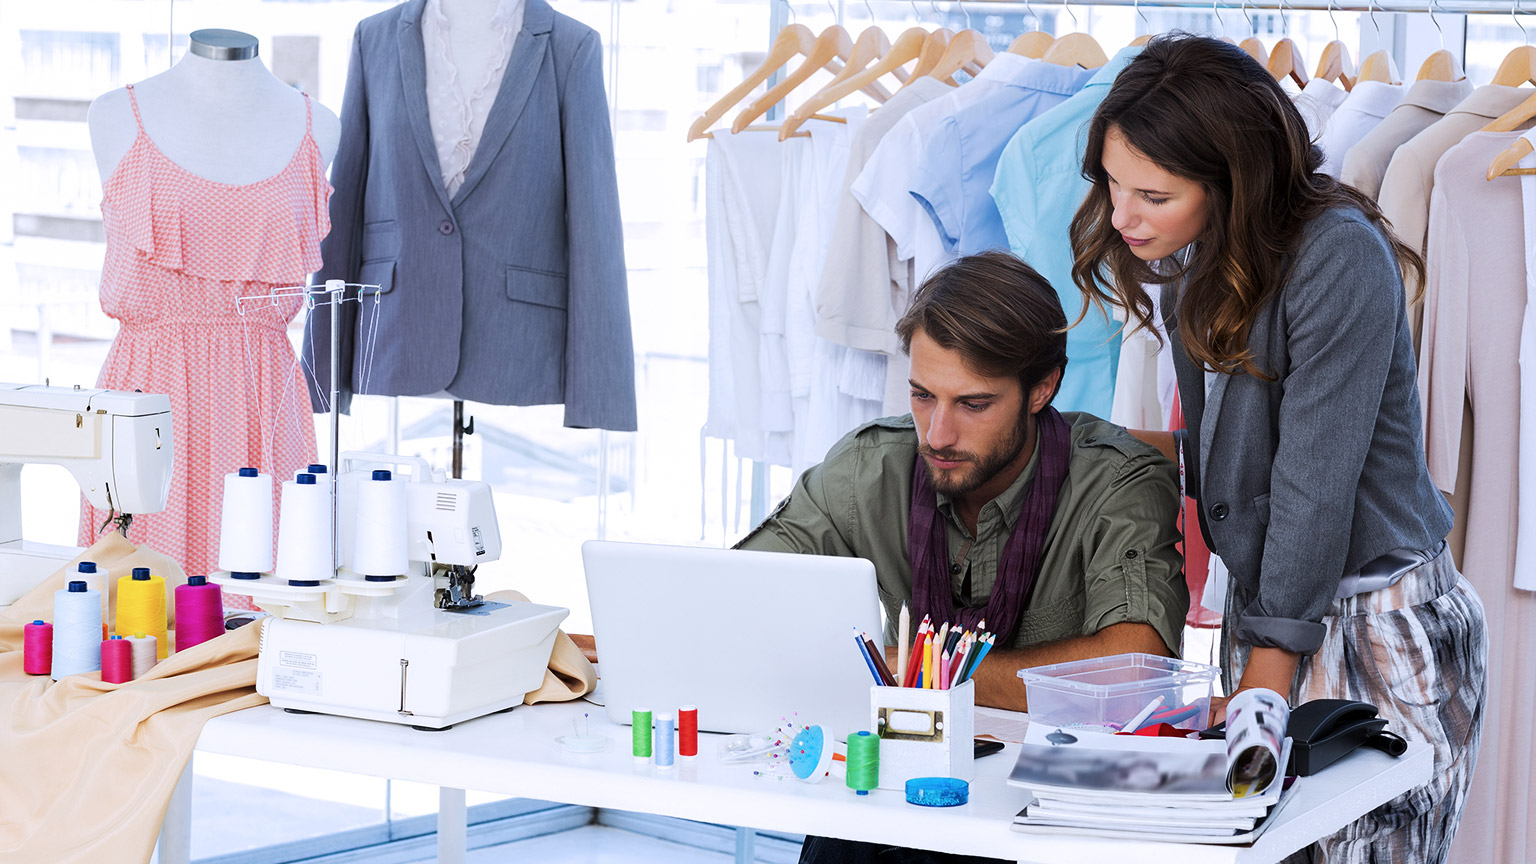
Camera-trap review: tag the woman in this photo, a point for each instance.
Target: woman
(1283, 299)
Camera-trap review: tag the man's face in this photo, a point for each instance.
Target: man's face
(971, 429)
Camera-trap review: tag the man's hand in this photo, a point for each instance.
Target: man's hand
(997, 678)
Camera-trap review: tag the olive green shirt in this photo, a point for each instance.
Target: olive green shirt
(1109, 554)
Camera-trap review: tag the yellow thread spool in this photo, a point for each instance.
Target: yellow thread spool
(141, 607)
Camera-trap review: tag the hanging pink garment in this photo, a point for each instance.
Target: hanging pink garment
(180, 250)
(1197, 558)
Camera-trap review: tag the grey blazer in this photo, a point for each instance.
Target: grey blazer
(514, 291)
(1306, 478)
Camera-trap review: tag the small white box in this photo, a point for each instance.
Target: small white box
(924, 733)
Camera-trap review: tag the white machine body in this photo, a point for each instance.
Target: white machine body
(390, 650)
(119, 446)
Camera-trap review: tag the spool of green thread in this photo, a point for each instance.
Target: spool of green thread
(863, 762)
(640, 732)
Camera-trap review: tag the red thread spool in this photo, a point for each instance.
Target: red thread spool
(688, 731)
(37, 648)
(116, 660)
(199, 612)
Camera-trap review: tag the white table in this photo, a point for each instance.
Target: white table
(515, 754)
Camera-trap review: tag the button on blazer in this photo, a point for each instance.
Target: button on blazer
(513, 291)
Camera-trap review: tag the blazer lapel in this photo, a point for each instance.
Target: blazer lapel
(516, 85)
(1212, 416)
(413, 79)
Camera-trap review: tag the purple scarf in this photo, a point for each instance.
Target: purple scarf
(928, 546)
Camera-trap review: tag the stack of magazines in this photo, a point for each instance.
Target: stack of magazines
(1168, 789)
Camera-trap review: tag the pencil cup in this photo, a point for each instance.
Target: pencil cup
(924, 733)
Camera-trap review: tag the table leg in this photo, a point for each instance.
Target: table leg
(175, 846)
(452, 826)
(746, 845)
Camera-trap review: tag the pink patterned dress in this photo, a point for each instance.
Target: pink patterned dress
(180, 250)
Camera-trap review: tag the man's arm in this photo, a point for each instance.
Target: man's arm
(997, 678)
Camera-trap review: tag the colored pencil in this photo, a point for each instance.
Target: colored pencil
(904, 624)
(868, 660)
(927, 665)
(962, 654)
(914, 657)
(878, 655)
(981, 654)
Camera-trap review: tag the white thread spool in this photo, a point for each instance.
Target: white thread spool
(76, 630)
(245, 532)
(380, 546)
(304, 531)
(146, 653)
(96, 579)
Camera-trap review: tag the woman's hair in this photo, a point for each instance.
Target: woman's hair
(1204, 110)
(1002, 316)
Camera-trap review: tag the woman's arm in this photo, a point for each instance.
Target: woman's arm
(1167, 442)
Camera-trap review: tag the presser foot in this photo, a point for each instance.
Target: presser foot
(455, 587)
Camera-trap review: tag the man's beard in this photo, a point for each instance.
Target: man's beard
(957, 482)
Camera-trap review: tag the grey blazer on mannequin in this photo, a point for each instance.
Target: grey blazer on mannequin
(1309, 477)
(512, 292)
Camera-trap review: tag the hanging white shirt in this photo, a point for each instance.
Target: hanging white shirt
(1525, 534)
(1317, 101)
(459, 100)
(741, 186)
(1360, 112)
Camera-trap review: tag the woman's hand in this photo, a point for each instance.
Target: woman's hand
(1268, 668)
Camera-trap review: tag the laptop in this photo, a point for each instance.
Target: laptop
(750, 638)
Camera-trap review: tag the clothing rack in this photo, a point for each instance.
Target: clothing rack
(1440, 7)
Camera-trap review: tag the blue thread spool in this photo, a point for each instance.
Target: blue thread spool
(666, 739)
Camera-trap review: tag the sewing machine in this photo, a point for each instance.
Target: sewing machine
(119, 446)
(423, 649)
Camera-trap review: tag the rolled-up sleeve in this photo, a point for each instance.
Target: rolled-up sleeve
(1134, 572)
(1341, 308)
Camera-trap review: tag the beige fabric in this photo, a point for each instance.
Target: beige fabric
(1410, 177)
(1470, 360)
(569, 676)
(1427, 101)
(87, 768)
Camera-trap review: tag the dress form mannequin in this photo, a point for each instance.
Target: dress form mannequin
(225, 120)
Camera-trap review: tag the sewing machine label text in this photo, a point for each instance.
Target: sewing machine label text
(474, 532)
(297, 660)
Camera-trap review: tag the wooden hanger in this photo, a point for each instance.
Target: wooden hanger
(968, 50)
(793, 41)
(1255, 49)
(907, 48)
(1516, 117)
(1286, 61)
(1440, 66)
(928, 59)
(1335, 65)
(1504, 163)
(833, 43)
(1519, 67)
(1076, 49)
(1033, 44)
(1379, 66)
(1141, 40)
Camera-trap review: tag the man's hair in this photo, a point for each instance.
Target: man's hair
(1003, 317)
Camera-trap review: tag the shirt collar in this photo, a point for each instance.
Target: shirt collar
(1106, 74)
(1324, 92)
(1019, 71)
(1375, 98)
(1438, 96)
(1491, 100)
(1010, 502)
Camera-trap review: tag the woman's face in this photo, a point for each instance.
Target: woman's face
(1156, 213)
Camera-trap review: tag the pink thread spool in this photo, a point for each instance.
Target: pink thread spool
(199, 612)
(37, 648)
(116, 661)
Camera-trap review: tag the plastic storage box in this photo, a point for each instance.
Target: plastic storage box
(1113, 691)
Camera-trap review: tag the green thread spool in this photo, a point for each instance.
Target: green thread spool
(640, 732)
(863, 762)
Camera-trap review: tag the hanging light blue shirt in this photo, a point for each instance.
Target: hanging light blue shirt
(1038, 187)
(953, 178)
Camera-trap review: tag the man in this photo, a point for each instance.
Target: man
(987, 503)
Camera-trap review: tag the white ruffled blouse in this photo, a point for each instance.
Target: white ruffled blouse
(460, 100)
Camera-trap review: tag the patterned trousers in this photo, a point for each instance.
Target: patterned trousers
(1418, 651)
